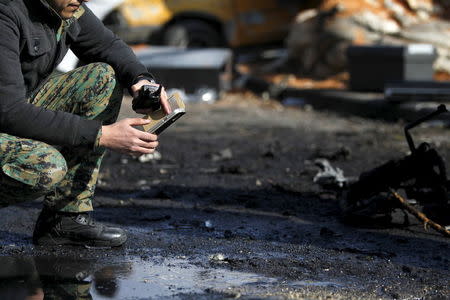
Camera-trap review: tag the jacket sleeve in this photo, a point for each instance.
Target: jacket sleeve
(96, 43)
(22, 119)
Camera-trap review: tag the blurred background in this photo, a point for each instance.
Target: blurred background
(311, 37)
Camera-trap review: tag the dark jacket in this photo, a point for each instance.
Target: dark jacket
(29, 53)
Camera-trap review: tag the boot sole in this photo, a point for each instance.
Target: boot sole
(55, 241)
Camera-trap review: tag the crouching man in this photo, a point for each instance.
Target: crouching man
(54, 128)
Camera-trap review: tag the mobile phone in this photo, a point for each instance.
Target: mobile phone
(161, 120)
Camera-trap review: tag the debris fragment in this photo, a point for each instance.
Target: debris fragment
(144, 158)
(209, 225)
(142, 182)
(218, 257)
(224, 154)
(328, 176)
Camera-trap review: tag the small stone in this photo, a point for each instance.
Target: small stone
(144, 158)
(209, 224)
(218, 257)
(225, 154)
(142, 182)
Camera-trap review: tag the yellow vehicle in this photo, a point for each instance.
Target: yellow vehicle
(203, 23)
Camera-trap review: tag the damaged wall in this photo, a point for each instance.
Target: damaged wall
(320, 36)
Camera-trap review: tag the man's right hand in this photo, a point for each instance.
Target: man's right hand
(123, 137)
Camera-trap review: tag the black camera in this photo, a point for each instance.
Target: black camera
(149, 97)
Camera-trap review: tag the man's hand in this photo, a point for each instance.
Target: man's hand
(164, 102)
(123, 137)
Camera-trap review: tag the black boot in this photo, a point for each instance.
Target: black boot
(60, 228)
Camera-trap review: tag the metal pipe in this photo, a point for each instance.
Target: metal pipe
(441, 109)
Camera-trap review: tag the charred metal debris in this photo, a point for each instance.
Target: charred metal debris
(420, 177)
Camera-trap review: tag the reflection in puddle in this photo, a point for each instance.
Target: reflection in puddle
(176, 276)
(71, 278)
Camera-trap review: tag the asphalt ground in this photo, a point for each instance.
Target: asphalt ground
(230, 210)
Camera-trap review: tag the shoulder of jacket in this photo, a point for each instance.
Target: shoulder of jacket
(6, 1)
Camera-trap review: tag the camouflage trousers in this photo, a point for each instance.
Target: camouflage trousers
(66, 176)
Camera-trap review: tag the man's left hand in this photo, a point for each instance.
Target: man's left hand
(164, 102)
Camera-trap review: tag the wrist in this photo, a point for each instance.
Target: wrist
(146, 76)
(102, 137)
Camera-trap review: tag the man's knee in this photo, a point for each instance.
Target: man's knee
(102, 72)
(106, 94)
(40, 170)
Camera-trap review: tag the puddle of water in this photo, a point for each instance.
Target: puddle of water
(174, 276)
(66, 278)
(72, 278)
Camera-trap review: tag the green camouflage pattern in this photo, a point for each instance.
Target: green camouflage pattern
(67, 176)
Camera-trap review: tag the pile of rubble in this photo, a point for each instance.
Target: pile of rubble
(319, 38)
